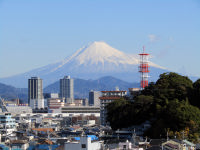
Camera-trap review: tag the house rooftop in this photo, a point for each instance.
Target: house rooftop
(43, 129)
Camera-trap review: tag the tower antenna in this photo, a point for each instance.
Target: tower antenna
(144, 69)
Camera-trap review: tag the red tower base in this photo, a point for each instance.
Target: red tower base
(143, 84)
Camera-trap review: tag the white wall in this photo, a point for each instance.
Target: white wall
(83, 140)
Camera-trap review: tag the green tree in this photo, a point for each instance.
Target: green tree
(172, 85)
(195, 94)
(177, 116)
(166, 104)
(118, 113)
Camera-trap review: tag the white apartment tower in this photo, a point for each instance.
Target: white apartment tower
(67, 89)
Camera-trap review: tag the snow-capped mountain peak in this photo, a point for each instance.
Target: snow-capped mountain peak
(95, 60)
(100, 53)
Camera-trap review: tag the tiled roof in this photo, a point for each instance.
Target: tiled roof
(48, 118)
(174, 146)
(18, 142)
(43, 129)
(46, 142)
(157, 141)
(155, 148)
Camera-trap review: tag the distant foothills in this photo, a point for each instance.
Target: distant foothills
(81, 88)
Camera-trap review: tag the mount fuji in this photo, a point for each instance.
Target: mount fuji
(93, 61)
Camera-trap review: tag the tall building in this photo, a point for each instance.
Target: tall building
(67, 89)
(35, 93)
(94, 98)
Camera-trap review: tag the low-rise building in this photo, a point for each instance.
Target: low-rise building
(178, 144)
(76, 110)
(85, 143)
(133, 92)
(19, 109)
(19, 144)
(7, 125)
(78, 102)
(55, 103)
(127, 145)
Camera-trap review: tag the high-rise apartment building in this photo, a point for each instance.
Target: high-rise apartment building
(94, 98)
(106, 98)
(67, 89)
(35, 93)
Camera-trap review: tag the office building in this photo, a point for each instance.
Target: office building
(94, 98)
(35, 93)
(67, 89)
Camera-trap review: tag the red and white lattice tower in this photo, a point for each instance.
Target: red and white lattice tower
(144, 69)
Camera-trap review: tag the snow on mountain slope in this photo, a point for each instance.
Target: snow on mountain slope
(101, 53)
(95, 60)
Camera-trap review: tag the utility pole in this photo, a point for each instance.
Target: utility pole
(183, 133)
(167, 136)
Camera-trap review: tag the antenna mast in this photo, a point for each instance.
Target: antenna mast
(144, 69)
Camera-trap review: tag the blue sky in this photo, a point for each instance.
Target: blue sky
(34, 33)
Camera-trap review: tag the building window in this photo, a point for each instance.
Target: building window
(83, 146)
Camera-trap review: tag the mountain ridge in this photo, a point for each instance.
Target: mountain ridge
(10, 92)
(93, 61)
(81, 88)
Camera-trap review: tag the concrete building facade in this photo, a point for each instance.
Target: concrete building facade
(81, 110)
(94, 98)
(55, 103)
(7, 124)
(85, 143)
(35, 93)
(67, 89)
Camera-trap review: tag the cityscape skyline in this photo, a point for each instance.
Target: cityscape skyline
(169, 30)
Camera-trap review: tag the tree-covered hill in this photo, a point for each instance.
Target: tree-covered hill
(171, 105)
